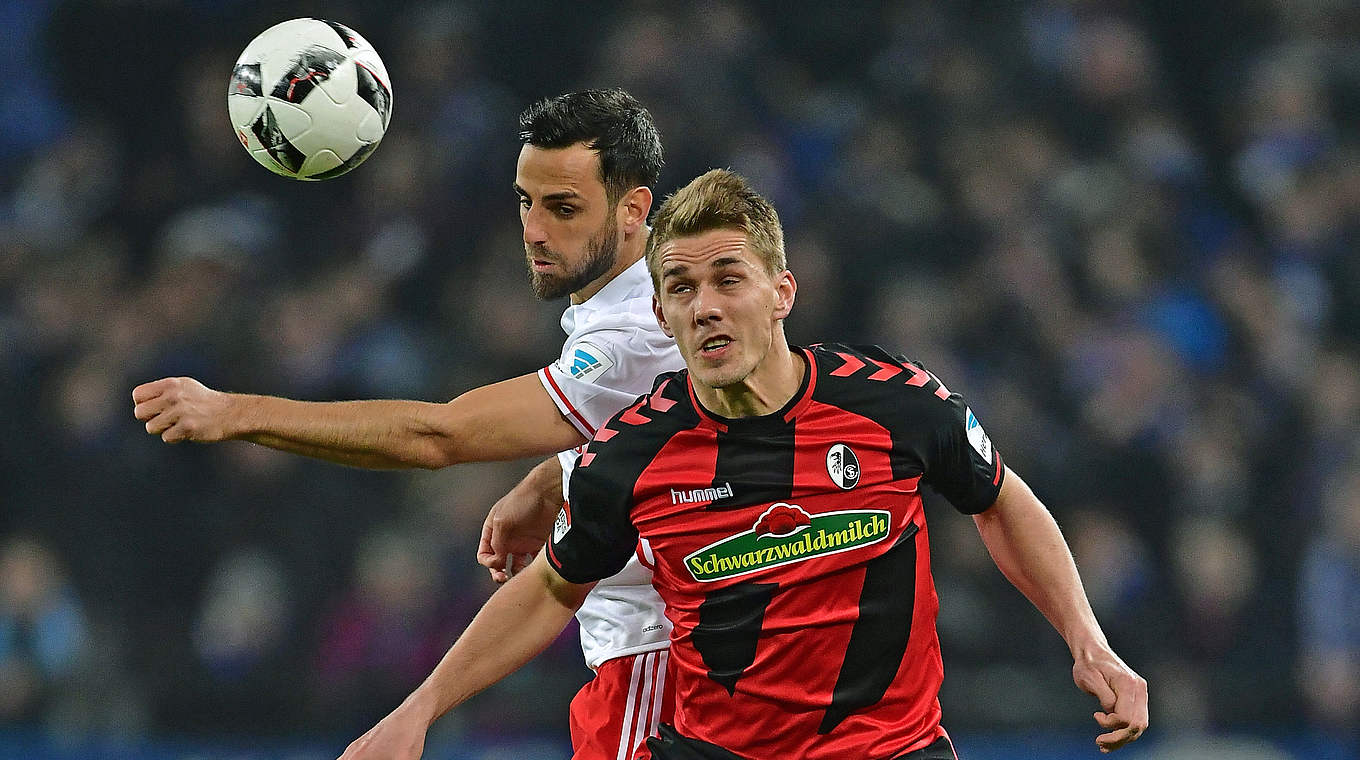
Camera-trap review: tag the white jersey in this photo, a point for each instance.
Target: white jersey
(614, 351)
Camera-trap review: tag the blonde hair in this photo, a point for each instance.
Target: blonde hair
(717, 199)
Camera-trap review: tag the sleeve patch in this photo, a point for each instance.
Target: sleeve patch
(979, 440)
(588, 362)
(561, 525)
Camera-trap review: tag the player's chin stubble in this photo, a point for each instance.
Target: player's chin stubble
(602, 252)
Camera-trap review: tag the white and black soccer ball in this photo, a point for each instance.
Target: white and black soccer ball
(310, 99)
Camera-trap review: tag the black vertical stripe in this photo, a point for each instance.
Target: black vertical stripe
(729, 628)
(878, 642)
(756, 457)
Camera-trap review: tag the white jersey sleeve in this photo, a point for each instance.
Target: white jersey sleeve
(602, 370)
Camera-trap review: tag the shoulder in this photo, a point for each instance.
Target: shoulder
(622, 333)
(630, 348)
(842, 368)
(632, 438)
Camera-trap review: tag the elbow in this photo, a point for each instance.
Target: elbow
(434, 454)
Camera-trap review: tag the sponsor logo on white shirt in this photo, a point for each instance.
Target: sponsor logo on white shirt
(588, 361)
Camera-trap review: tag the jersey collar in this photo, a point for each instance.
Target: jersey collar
(783, 416)
(633, 282)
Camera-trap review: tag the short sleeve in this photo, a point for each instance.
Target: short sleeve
(959, 459)
(593, 536)
(602, 371)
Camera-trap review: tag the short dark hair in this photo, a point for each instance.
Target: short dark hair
(611, 122)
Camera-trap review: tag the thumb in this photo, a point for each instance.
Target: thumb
(487, 555)
(1093, 682)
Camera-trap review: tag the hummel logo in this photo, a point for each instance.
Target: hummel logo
(723, 491)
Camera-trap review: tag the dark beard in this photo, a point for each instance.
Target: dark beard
(601, 254)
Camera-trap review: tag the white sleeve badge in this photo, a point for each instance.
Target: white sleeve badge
(587, 362)
(561, 525)
(979, 440)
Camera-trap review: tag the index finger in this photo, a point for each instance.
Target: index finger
(1113, 740)
(146, 391)
(1129, 718)
(1131, 700)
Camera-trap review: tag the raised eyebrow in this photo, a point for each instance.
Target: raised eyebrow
(727, 261)
(678, 270)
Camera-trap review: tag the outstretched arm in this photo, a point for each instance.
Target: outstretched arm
(1028, 547)
(507, 420)
(519, 621)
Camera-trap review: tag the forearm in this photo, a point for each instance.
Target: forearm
(518, 622)
(543, 485)
(1028, 547)
(508, 420)
(375, 434)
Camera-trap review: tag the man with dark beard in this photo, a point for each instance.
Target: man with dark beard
(584, 177)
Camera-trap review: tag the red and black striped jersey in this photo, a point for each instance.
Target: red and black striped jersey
(791, 550)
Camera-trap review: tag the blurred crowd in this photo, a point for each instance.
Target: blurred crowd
(1127, 232)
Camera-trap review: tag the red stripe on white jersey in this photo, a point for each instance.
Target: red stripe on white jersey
(574, 415)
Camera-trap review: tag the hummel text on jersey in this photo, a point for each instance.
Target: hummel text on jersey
(723, 491)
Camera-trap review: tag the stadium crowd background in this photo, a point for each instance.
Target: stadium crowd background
(1126, 231)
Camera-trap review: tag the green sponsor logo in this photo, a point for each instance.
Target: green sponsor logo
(785, 534)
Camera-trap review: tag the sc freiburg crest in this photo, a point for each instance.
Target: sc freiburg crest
(843, 466)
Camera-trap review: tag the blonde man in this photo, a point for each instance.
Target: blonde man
(778, 488)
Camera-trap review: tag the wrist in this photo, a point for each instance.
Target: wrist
(423, 705)
(234, 418)
(1090, 647)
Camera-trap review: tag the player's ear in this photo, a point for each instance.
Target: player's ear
(633, 209)
(661, 318)
(785, 288)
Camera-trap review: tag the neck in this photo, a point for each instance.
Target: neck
(770, 386)
(630, 250)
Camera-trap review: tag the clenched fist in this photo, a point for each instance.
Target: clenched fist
(183, 409)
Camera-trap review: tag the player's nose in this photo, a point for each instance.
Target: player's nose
(535, 232)
(705, 305)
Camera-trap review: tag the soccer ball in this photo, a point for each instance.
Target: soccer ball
(309, 99)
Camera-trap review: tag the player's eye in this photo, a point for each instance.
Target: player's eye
(566, 211)
(524, 201)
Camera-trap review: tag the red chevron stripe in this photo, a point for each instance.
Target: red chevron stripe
(852, 365)
(586, 459)
(657, 402)
(605, 434)
(941, 391)
(885, 371)
(919, 377)
(632, 417)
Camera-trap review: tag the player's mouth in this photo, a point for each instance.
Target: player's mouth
(541, 265)
(715, 347)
